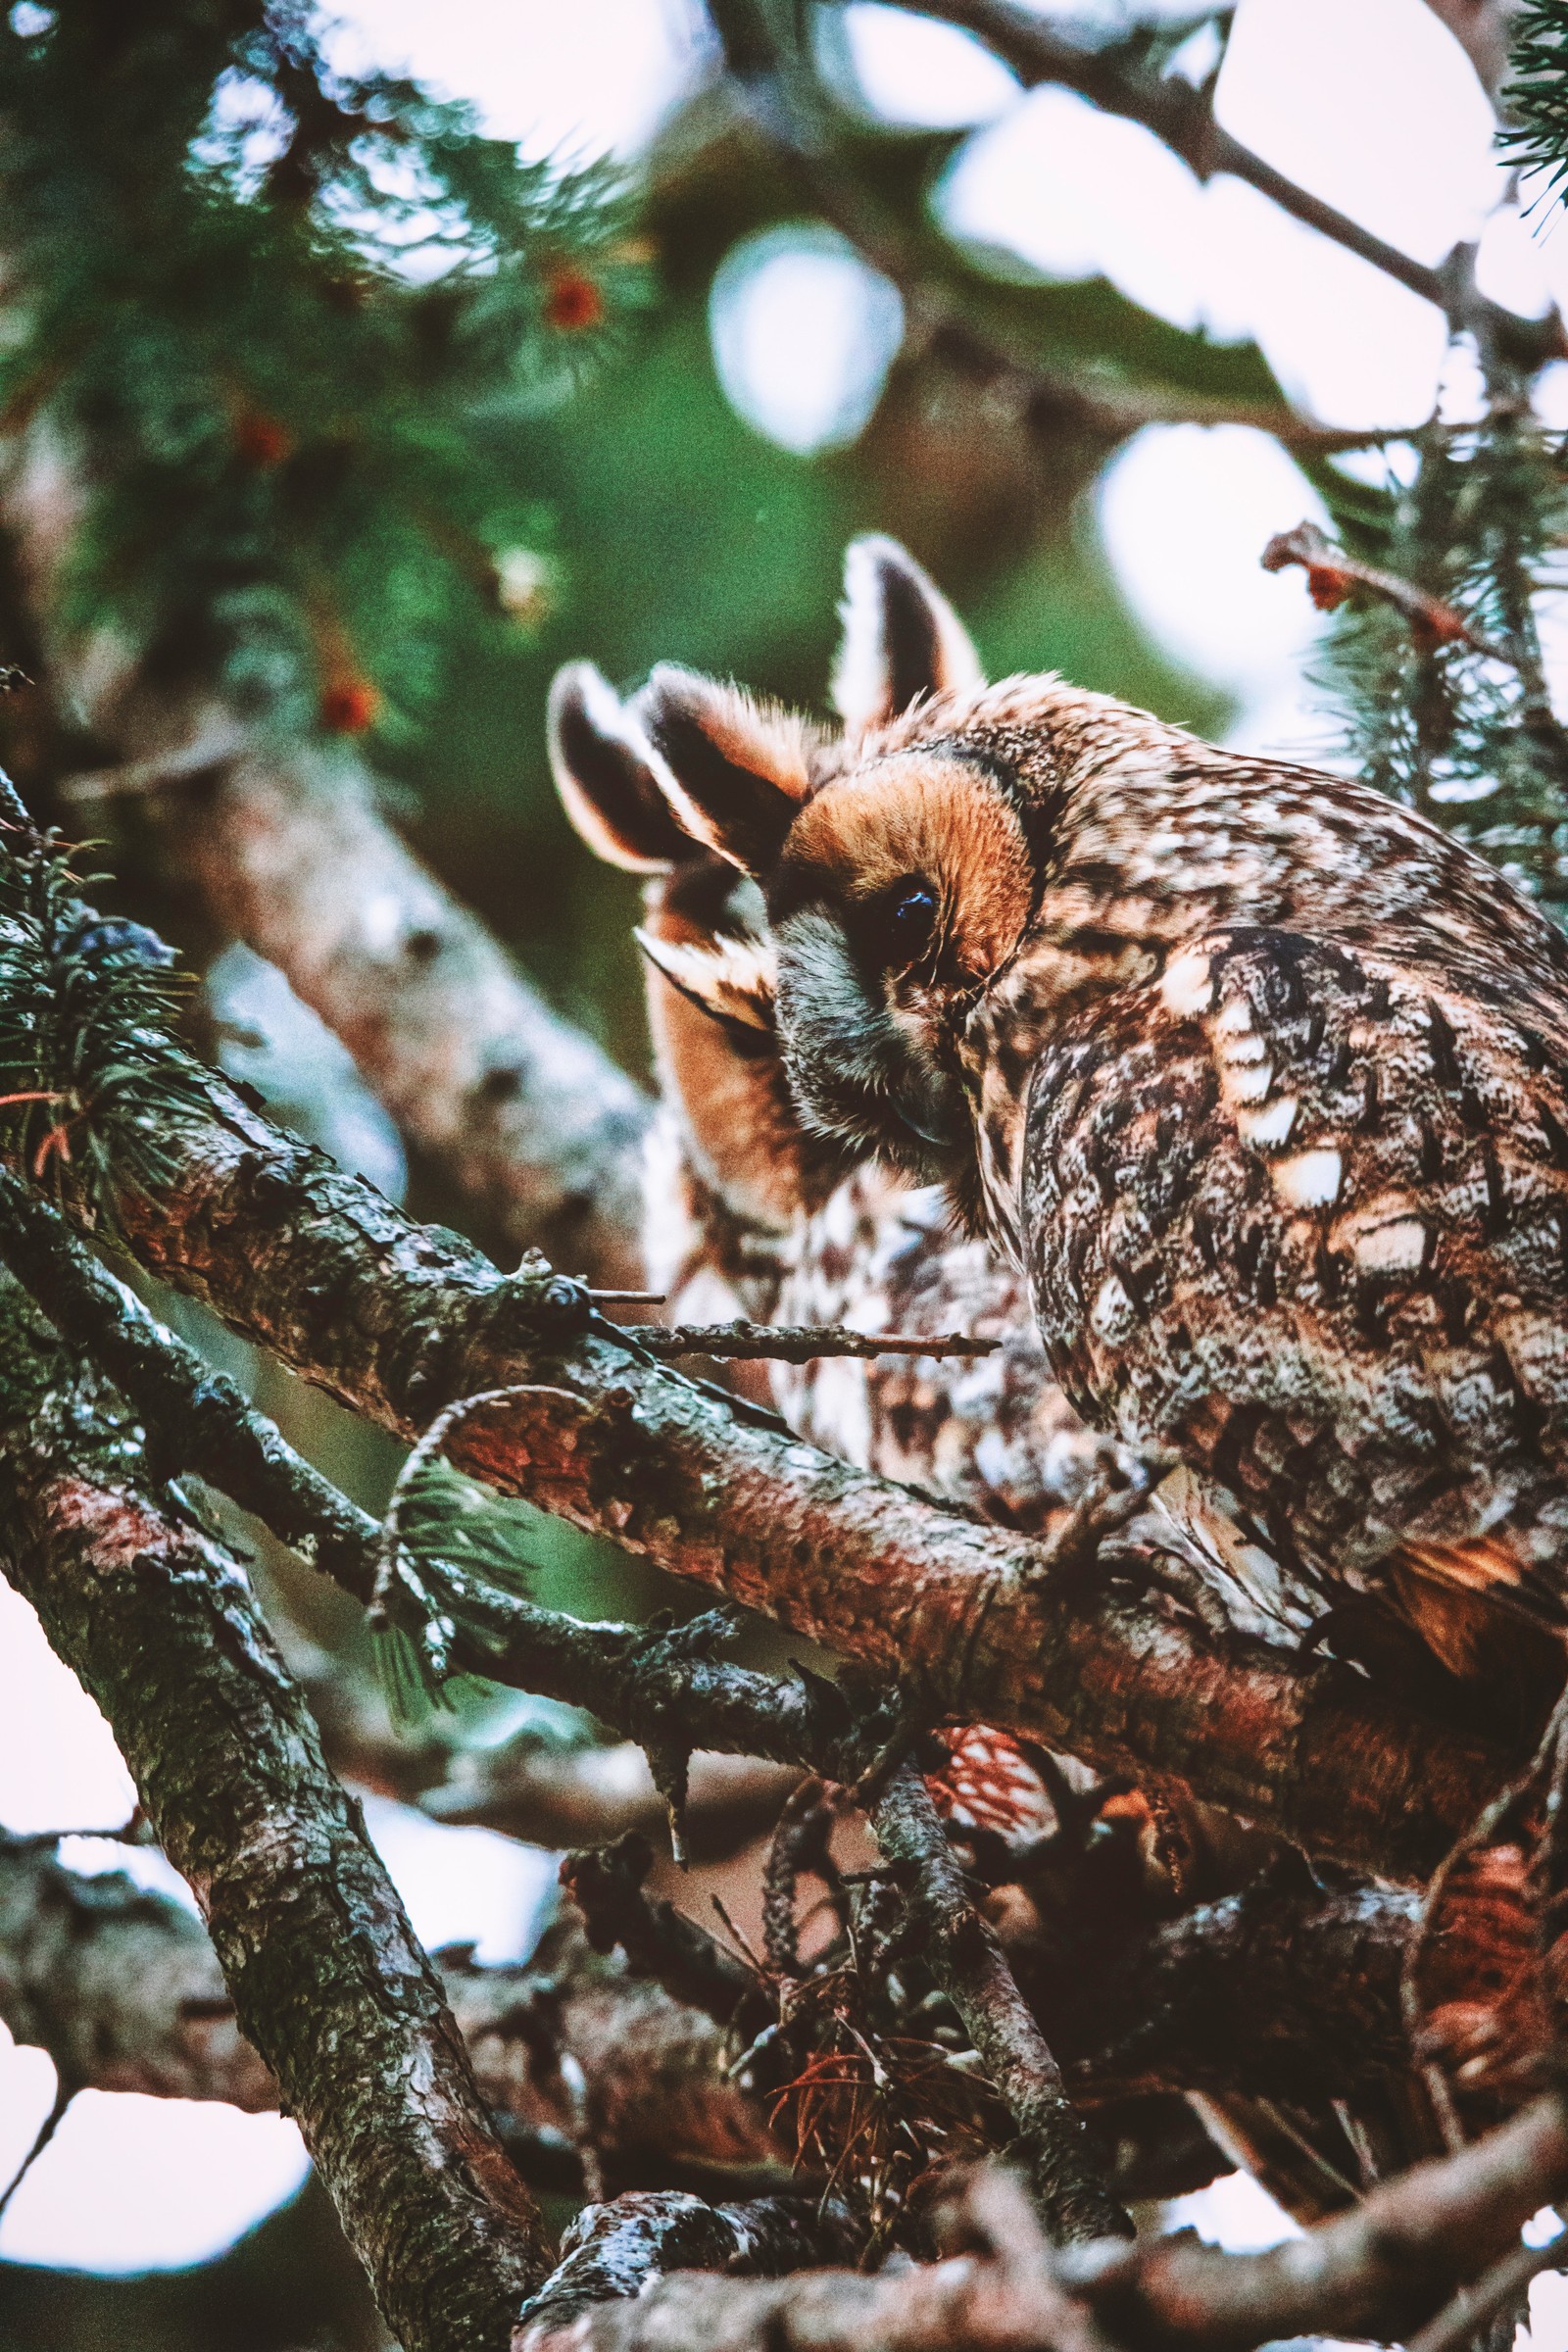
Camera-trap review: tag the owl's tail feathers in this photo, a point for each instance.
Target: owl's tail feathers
(1470, 1601)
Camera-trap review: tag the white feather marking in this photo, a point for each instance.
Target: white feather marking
(1236, 1051)
(1187, 987)
(1248, 1084)
(732, 979)
(1111, 1315)
(1309, 1179)
(1234, 1017)
(1270, 1125)
(1396, 1248)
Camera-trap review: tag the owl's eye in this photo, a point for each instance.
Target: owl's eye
(908, 919)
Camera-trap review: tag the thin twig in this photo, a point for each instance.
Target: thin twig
(1467, 2314)
(1184, 120)
(799, 1343)
(1331, 575)
(660, 1941)
(968, 1963)
(784, 106)
(65, 2092)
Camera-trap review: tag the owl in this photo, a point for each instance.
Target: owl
(1254, 1078)
(752, 1208)
(747, 1211)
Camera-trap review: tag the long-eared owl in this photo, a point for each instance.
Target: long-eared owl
(1255, 1078)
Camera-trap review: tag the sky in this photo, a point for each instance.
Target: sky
(1369, 104)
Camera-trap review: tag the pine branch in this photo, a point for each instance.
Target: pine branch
(158, 1621)
(1332, 575)
(801, 1344)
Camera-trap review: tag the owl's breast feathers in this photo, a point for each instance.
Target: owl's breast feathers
(1303, 1213)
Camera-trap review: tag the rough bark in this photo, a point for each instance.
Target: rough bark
(530, 1119)
(1378, 2271)
(614, 2252)
(399, 1320)
(156, 1618)
(1282, 1990)
(967, 1961)
(122, 1988)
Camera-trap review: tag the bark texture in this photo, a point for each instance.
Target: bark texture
(120, 1985)
(397, 1320)
(1379, 2270)
(159, 1623)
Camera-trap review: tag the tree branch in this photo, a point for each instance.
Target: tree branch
(784, 107)
(399, 1320)
(800, 1343)
(121, 1988)
(969, 1965)
(521, 1112)
(616, 2252)
(1183, 118)
(1377, 2270)
(120, 1985)
(1333, 574)
(156, 1620)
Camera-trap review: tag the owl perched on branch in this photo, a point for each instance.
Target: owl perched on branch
(748, 1211)
(1256, 1078)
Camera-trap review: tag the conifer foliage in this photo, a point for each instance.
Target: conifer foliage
(292, 319)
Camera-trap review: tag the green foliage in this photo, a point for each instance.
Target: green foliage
(1466, 737)
(1535, 96)
(93, 1087)
(297, 322)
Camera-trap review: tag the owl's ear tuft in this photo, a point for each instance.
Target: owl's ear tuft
(736, 769)
(604, 773)
(731, 980)
(901, 638)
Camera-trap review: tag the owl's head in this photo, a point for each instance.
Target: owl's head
(709, 967)
(898, 859)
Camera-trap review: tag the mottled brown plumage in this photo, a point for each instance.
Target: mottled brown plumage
(1257, 1076)
(747, 1212)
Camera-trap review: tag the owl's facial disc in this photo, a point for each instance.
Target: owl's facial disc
(902, 887)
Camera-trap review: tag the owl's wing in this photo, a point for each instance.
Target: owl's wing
(1305, 1216)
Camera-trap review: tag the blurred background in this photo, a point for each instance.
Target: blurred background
(717, 387)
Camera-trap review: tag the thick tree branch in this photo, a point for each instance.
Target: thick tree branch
(613, 2253)
(1284, 1990)
(1278, 1991)
(399, 1321)
(1378, 2271)
(523, 1113)
(121, 1988)
(158, 1622)
(200, 1419)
